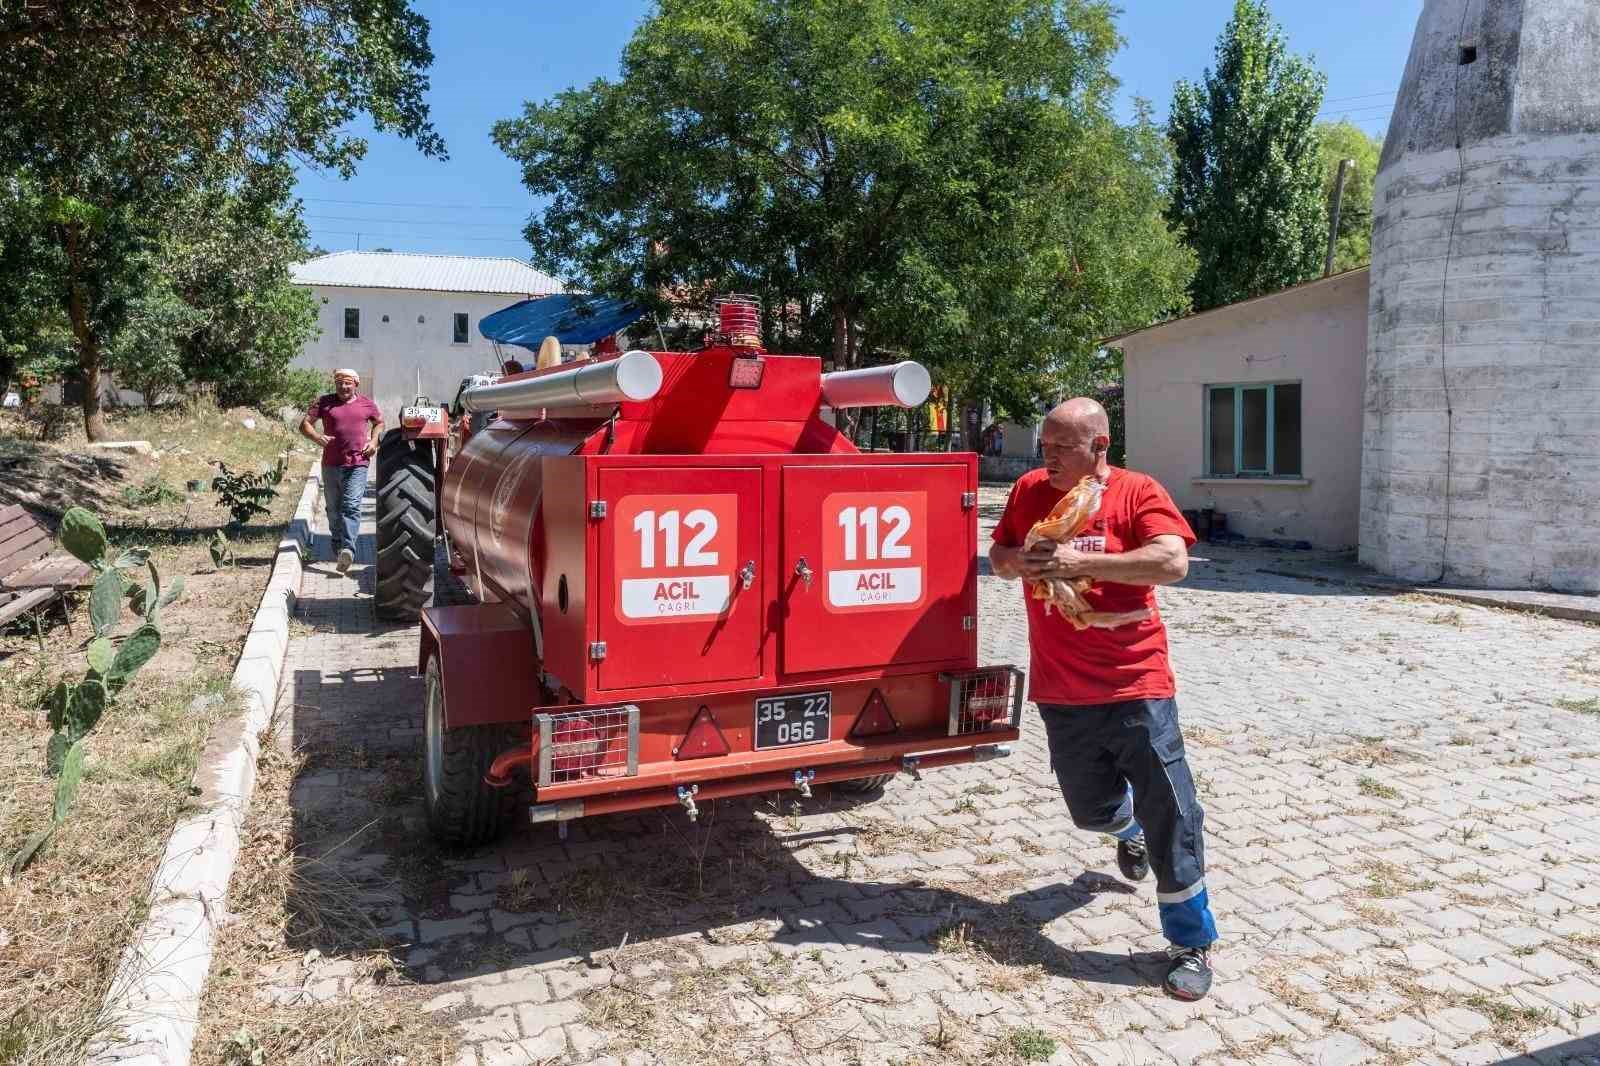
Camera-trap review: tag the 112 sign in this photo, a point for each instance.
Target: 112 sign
(875, 550)
(671, 554)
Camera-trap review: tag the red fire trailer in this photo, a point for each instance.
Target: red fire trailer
(687, 585)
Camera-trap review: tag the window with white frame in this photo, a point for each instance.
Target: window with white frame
(459, 327)
(1253, 430)
(352, 323)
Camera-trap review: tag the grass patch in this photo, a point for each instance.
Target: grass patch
(70, 912)
(1587, 705)
(1371, 786)
(1385, 880)
(1031, 1045)
(1510, 1020)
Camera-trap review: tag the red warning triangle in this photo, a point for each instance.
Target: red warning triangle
(874, 719)
(704, 738)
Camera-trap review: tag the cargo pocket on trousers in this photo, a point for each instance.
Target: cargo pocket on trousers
(1167, 739)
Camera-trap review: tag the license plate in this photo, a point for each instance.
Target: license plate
(787, 721)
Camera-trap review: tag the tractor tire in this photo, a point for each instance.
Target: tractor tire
(462, 811)
(405, 527)
(863, 785)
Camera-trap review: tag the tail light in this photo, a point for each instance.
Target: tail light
(704, 738)
(875, 718)
(981, 700)
(603, 742)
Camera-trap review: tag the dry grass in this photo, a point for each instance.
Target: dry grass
(1385, 880)
(65, 919)
(67, 916)
(295, 973)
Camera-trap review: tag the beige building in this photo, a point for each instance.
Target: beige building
(1255, 409)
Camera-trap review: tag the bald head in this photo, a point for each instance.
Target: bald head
(1074, 439)
(1083, 414)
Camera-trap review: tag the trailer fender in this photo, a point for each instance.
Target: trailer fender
(486, 663)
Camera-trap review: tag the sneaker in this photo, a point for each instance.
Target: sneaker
(1189, 977)
(346, 557)
(1132, 858)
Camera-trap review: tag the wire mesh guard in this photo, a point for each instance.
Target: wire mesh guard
(985, 699)
(590, 743)
(739, 320)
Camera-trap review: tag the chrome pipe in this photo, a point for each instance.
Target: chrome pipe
(632, 376)
(904, 384)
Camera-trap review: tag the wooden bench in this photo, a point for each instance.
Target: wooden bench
(31, 573)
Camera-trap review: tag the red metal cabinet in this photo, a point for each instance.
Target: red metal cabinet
(876, 566)
(680, 581)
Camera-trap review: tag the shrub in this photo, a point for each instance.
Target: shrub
(298, 388)
(246, 495)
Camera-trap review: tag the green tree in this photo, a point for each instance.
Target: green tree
(116, 109)
(934, 178)
(227, 252)
(1346, 140)
(1248, 181)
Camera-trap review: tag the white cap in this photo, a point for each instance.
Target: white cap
(346, 372)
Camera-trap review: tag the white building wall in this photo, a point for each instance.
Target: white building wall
(1315, 335)
(416, 338)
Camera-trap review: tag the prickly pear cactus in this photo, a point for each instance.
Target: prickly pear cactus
(74, 708)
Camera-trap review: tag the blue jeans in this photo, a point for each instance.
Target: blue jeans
(342, 490)
(1122, 770)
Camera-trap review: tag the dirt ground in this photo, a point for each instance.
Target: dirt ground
(64, 919)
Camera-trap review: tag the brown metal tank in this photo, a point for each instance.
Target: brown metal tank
(491, 506)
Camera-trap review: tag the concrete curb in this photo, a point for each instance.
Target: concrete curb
(153, 1006)
(1532, 602)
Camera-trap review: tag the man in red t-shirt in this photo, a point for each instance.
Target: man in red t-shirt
(351, 426)
(1106, 693)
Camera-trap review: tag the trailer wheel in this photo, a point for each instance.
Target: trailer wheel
(863, 784)
(405, 527)
(462, 810)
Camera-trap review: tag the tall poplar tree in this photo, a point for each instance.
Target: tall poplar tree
(1248, 186)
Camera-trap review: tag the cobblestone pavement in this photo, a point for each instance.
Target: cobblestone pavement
(1403, 816)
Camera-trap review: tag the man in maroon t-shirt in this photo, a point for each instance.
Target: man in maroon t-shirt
(351, 426)
(1106, 693)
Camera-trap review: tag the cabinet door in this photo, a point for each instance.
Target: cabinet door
(674, 547)
(888, 552)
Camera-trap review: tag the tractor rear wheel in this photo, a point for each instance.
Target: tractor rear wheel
(462, 810)
(405, 527)
(863, 784)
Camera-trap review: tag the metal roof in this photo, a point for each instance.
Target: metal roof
(431, 273)
(1325, 279)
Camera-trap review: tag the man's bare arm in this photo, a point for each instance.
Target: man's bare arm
(1163, 561)
(309, 432)
(374, 436)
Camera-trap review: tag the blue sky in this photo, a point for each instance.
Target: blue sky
(492, 55)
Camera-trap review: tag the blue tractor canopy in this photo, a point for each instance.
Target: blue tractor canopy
(570, 318)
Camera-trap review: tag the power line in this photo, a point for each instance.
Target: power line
(1364, 96)
(411, 221)
(412, 236)
(1355, 110)
(404, 203)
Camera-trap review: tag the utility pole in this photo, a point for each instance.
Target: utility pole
(1333, 221)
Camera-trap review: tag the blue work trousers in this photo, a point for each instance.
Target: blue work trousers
(1122, 770)
(342, 490)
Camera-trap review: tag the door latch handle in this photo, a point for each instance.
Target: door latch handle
(804, 571)
(747, 574)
